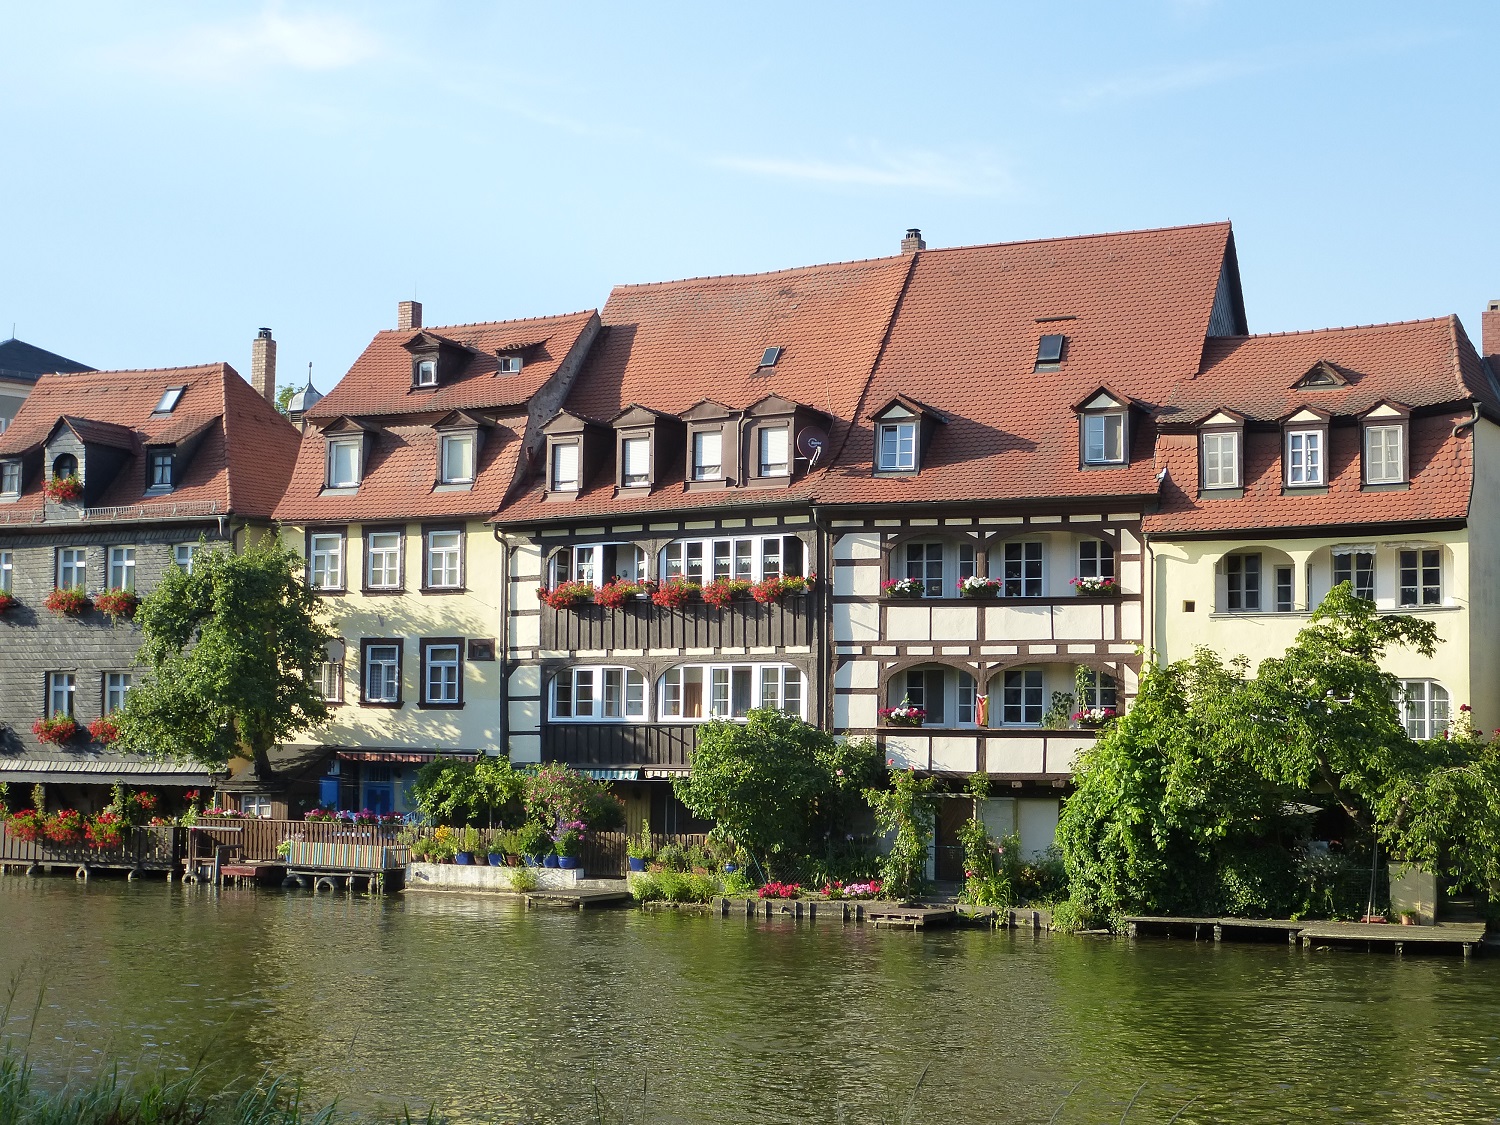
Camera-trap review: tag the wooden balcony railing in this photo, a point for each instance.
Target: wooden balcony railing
(145, 849)
(258, 840)
(620, 745)
(640, 624)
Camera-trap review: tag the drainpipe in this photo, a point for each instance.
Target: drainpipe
(502, 641)
(824, 643)
(1467, 423)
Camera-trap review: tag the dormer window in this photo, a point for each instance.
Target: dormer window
(897, 443)
(708, 455)
(10, 478)
(425, 373)
(161, 469)
(509, 365)
(1221, 441)
(344, 462)
(1304, 452)
(775, 451)
(563, 473)
(1104, 438)
(168, 401)
(63, 466)
(456, 458)
(1386, 437)
(635, 462)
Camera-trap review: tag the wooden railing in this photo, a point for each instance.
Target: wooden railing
(258, 840)
(620, 745)
(640, 624)
(147, 849)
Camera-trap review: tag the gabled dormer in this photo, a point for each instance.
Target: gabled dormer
(1385, 447)
(775, 428)
(88, 452)
(169, 453)
(1221, 454)
(1304, 450)
(712, 445)
(348, 445)
(1321, 376)
(435, 360)
(903, 430)
(647, 442)
(1103, 429)
(576, 448)
(460, 439)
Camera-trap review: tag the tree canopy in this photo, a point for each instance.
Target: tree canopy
(232, 652)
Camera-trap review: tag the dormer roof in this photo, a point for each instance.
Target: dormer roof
(907, 407)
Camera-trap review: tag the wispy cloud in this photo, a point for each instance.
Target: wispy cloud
(918, 170)
(269, 40)
(1165, 80)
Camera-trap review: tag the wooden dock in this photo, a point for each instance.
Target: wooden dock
(1446, 937)
(910, 917)
(576, 900)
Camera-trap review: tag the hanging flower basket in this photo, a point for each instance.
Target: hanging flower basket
(28, 825)
(903, 588)
(103, 731)
(117, 604)
(566, 595)
(976, 587)
(69, 602)
(906, 714)
(1096, 587)
(612, 595)
(7, 603)
(64, 490)
(773, 590)
(721, 591)
(54, 731)
(105, 831)
(66, 827)
(674, 593)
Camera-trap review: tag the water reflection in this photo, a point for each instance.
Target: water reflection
(497, 1014)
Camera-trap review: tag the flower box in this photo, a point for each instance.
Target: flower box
(721, 591)
(103, 731)
(1096, 587)
(566, 595)
(1093, 717)
(63, 490)
(105, 831)
(674, 593)
(7, 603)
(54, 731)
(906, 714)
(68, 602)
(28, 825)
(772, 590)
(65, 828)
(613, 595)
(116, 604)
(903, 588)
(977, 587)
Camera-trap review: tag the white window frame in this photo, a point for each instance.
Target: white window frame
(184, 555)
(72, 568)
(703, 468)
(772, 462)
(331, 681)
(7, 572)
(62, 694)
(560, 480)
(389, 558)
(1023, 568)
(445, 569)
(386, 658)
(116, 688)
(427, 373)
(161, 459)
(1028, 711)
(1096, 558)
(1425, 707)
(1221, 459)
(10, 477)
(585, 562)
(751, 557)
(896, 447)
(442, 668)
(1098, 689)
(598, 693)
(1243, 590)
(354, 447)
(641, 477)
(121, 570)
(719, 689)
(1360, 567)
(325, 560)
(447, 444)
(1413, 573)
(1390, 436)
(1099, 432)
(1305, 462)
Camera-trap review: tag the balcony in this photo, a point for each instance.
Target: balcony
(641, 625)
(1018, 754)
(620, 745)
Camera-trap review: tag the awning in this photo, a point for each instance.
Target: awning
(612, 775)
(681, 772)
(102, 771)
(405, 757)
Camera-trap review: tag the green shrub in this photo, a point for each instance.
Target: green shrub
(737, 884)
(646, 888)
(523, 879)
(673, 856)
(1044, 879)
(1069, 916)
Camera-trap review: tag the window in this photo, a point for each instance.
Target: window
(326, 552)
(256, 805)
(1098, 689)
(1357, 568)
(708, 455)
(182, 555)
(331, 681)
(898, 447)
(924, 689)
(774, 449)
(383, 560)
(1284, 589)
(382, 672)
(64, 465)
(61, 688)
(168, 401)
(442, 673)
(711, 691)
(1023, 570)
(116, 687)
(968, 700)
(924, 562)
(1022, 698)
(1304, 457)
(426, 373)
(750, 557)
(771, 356)
(161, 469)
(344, 463)
(457, 458)
(444, 560)
(1383, 455)
(612, 694)
(1221, 460)
(1049, 352)
(565, 467)
(122, 568)
(1103, 439)
(1243, 574)
(635, 455)
(1422, 577)
(7, 572)
(10, 478)
(1423, 706)
(72, 568)
(509, 365)
(1096, 559)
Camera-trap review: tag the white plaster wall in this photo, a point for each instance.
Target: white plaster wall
(858, 545)
(854, 623)
(1020, 623)
(1014, 755)
(957, 755)
(955, 623)
(908, 623)
(907, 751)
(1037, 821)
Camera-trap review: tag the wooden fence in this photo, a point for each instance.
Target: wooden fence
(144, 849)
(258, 841)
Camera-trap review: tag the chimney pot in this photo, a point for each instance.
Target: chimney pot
(409, 315)
(263, 365)
(913, 241)
(1489, 336)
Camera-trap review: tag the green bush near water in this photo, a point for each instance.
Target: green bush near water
(675, 886)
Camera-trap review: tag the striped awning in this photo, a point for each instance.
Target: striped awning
(102, 771)
(612, 775)
(405, 757)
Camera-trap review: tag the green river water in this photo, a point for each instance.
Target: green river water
(496, 1014)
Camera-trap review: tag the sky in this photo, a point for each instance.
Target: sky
(179, 174)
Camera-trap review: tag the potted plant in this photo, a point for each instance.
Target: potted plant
(1095, 587)
(566, 595)
(7, 602)
(468, 845)
(117, 604)
(65, 827)
(67, 602)
(28, 825)
(674, 593)
(420, 848)
(504, 850)
(1093, 717)
(903, 588)
(105, 831)
(638, 848)
(615, 593)
(533, 843)
(721, 591)
(55, 730)
(977, 586)
(63, 490)
(1408, 917)
(904, 714)
(568, 843)
(103, 731)
(442, 845)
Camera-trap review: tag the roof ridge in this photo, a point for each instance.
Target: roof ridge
(633, 285)
(143, 370)
(1375, 326)
(485, 323)
(1081, 237)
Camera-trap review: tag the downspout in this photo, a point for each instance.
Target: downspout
(503, 641)
(1468, 423)
(824, 642)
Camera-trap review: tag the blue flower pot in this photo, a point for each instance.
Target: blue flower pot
(465, 858)
(567, 862)
(531, 861)
(549, 861)
(637, 864)
(731, 868)
(497, 859)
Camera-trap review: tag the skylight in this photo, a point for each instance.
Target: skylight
(169, 398)
(769, 357)
(1049, 350)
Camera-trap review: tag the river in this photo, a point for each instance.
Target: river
(497, 1015)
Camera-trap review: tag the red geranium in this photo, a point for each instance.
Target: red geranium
(67, 602)
(7, 602)
(721, 591)
(28, 825)
(55, 730)
(107, 830)
(63, 489)
(103, 731)
(674, 593)
(66, 827)
(565, 595)
(774, 889)
(612, 595)
(117, 603)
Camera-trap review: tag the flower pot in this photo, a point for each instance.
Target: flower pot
(637, 864)
(731, 868)
(903, 722)
(549, 861)
(497, 859)
(531, 861)
(568, 862)
(464, 858)
(512, 860)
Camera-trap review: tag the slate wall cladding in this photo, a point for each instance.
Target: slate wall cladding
(34, 642)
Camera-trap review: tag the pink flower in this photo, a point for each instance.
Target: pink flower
(838, 773)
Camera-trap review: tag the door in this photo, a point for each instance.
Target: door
(952, 814)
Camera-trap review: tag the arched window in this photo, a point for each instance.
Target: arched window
(1424, 707)
(65, 465)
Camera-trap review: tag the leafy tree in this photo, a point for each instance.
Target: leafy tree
(232, 653)
(906, 813)
(284, 399)
(456, 792)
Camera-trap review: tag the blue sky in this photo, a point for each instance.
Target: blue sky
(178, 174)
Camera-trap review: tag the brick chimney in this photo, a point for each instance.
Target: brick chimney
(1489, 336)
(263, 365)
(408, 315)
(913, 241)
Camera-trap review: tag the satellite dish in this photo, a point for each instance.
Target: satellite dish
(810, 443)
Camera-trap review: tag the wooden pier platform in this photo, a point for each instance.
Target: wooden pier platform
(576, 900)
(1446, 937)
(910, 917)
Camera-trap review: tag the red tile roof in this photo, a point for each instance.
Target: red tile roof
(241, 466)
(379, 383)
